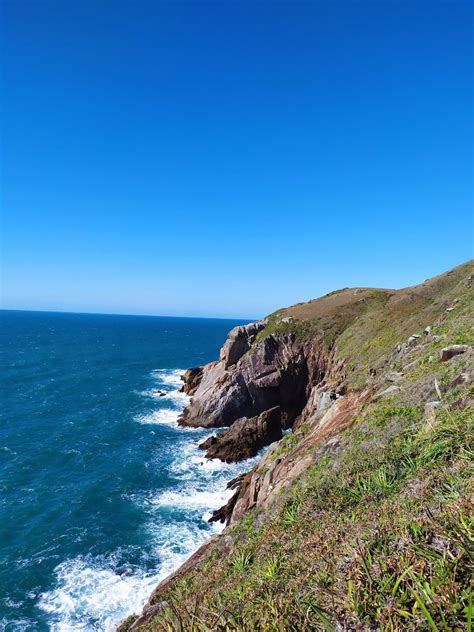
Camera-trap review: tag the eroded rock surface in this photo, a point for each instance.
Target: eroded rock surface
(191, 378)
(319, 387)
(245, 437)
(449, 352)
(263, 486)
(239, 340)
(277, 371)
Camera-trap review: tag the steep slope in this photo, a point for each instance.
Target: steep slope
(360, 518)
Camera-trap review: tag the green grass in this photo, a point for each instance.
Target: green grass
(287, 443)
(241, 561)
(380, 539)
(378, 534)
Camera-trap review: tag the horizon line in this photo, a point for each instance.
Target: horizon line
(87, 313)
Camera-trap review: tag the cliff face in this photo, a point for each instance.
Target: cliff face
(252, 378)
(376, 387)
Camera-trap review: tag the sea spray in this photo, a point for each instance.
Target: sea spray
(103, 589)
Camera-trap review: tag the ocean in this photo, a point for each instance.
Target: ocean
(102, 494)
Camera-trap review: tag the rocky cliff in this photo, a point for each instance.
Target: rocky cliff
(256, 388)
(357, 515)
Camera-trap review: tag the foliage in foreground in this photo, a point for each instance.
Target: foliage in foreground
(383, 539)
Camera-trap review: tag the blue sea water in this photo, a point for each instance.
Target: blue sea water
(101, 493)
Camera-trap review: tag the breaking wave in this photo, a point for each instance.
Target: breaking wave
(97, 592)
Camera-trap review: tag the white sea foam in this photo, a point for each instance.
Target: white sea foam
(203, 482)
(169, 377)
(202, 500)
(94, 594)
(168, 392)
(16, 625)
(164, 416)
(91, 594)
(191, 463)
(174, 541)
(175, 396)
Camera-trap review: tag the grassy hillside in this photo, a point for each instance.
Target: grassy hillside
(378, 533)
(365, 325)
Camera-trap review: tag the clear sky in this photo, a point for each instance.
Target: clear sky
(229, 158)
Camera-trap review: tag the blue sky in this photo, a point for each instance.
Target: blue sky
(229, 158)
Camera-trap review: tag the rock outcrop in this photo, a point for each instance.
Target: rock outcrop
(263, 486)
(256, 388)
(239, 340)
(191, 378)
(245, 437)
(449, 352)
(277, 371)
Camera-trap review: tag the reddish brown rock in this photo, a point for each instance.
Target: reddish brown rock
(449, 352)
(263, 486)
(191, 378)
(245, 437)
(277, 371)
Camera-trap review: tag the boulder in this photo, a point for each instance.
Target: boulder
(465, 377)
(449, 352)
(393, 376)
(462, 402)
(191, 378)
(430, 411)
(239, 341)
(245, 437)
(388, 392)
(325, 400)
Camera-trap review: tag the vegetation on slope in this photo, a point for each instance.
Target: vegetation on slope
(379, 533)
(382, 538)
(365, 325)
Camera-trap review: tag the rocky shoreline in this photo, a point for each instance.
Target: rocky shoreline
(280, 375)
(257, 390)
